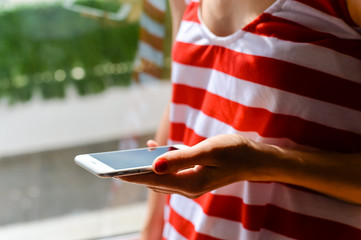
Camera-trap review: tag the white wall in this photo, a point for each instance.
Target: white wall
(53, 124)
(99, 224)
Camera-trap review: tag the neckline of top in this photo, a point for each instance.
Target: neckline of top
(229, 38)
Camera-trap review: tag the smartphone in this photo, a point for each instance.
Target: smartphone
(124, 162)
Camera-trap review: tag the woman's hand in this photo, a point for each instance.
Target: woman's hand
(226, 159)
(211, 164)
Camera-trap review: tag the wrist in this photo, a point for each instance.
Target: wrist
(269, 162)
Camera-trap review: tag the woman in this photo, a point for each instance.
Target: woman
(268, 94)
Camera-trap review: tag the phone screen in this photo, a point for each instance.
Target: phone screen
(131, 158)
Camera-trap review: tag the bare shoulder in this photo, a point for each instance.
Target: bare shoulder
(354, 7)
(177, 9)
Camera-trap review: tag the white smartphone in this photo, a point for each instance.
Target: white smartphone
(124, 162)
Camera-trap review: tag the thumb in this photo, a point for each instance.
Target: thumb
(176, 160)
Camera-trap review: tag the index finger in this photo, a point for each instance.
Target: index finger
(174, 161)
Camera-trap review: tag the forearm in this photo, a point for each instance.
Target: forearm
(161, 136)
(354, 7)
(153, 227)
(333, 174)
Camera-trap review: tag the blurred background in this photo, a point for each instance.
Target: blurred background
(76, 76)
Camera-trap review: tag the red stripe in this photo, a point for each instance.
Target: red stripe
(335, 8)
(186, 228)
(285, 76)
(267, 124)
(191, 13)
(276, 219)
(180, 133)
(271, 26)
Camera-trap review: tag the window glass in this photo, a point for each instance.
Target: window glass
(73, 81)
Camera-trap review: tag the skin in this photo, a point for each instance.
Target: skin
(354, 7)
(153, 227)
(226, 159)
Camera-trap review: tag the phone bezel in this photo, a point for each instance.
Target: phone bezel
(101, 169)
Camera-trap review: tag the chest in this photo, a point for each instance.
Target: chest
(224, 19)
(289, 41)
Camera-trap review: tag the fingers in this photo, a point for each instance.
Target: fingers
(152, 143)
(165, 191)
(191, 182)
(211, 152)
(177, 160)
(152, 179)
(193, 171)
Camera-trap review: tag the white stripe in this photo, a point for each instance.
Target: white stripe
(166, 212)
(202, 124)
(313, 19)
(151, 54)
(152, 26)
(323, 59)
(258, 193)
(170, 233)
(206, 127)
(161, 5)
(259, 96)
(273, 193)
(214, 226)
(261, 194)
(268, 235)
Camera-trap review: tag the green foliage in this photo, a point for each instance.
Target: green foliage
(41, 47)
(106, 5)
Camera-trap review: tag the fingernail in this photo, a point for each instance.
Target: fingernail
(161, 165)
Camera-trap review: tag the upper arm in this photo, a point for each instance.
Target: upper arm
(162, 133)
(177, 8)
(354, 7)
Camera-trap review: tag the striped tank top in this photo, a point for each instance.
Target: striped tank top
(291, 78)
